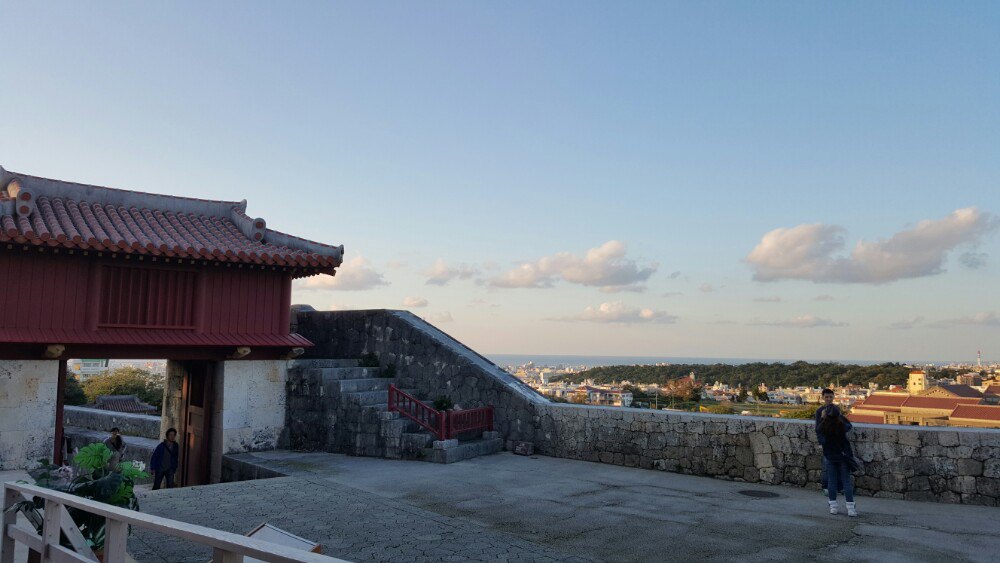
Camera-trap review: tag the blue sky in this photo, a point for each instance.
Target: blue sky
(483, 146)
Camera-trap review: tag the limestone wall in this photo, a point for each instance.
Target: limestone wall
(426, 359)
(921, 463)
(253, 404)
(957, 465)
(27, 411)
(139, 425)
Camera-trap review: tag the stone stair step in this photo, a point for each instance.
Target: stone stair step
(323, 363)
(337, 374)
(367, 384)
(368, 398)
(465, 450)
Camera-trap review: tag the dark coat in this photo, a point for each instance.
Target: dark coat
(164, 450)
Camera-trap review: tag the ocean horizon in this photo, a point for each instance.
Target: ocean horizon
(555, 360)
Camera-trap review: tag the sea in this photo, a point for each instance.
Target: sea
(550, 360)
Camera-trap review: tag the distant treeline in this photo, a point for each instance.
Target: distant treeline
(750, 375)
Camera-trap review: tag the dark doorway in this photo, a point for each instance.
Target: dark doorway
(197, 400)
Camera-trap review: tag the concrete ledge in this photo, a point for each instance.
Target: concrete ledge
(463, 451)
(141, 425)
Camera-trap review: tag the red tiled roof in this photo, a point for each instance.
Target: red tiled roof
(993, 389)
(51, 213)
(977, 412)
(123, 403)
(870, 418)
(962, 390)
(938, 402)
(879, 400)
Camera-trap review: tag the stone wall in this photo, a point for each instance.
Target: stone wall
(954, 465)
(140, 425)
(426, 359)
(957, 465)
(27, 411)
(253, 404)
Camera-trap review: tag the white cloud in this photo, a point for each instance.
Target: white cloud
(356, 274)
(441, 273)
(813, 252)
(990, 319)
(440, 318)
(604, 266)
(674, 275)
(618, 312)
(907, 324)
(774, 299)
(414, 302)
(805, 321)
(706, 288)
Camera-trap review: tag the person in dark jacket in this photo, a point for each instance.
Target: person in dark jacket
(117, 445)
(822, 411)
(832, 434)
(164, 460)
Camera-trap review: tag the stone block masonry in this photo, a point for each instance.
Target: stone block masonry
(954, 465)
(957, 465)
(27, 411)
(427, 361)
(140, 425)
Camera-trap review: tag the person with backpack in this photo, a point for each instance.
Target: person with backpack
(117, 445)
(832, 435)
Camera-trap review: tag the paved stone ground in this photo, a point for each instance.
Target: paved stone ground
(507, 507)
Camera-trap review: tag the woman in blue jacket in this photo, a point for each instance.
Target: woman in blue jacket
(832, 435)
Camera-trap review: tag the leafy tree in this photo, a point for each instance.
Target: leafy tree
(578, 397)
(760, 395)
(742, 396)
(719, 409)
(74, 394)
(126, 380)
(805, 414)
(746, 375)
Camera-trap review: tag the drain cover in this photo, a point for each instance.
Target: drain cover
(759, 494)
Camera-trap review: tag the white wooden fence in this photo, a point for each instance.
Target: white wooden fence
(227, 547)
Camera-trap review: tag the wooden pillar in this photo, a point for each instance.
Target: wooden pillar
(57, 455)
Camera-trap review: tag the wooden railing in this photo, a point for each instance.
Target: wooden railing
(419, 412)
(459, 422)
(443, 424)
(227, 547)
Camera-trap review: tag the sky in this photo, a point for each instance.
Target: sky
(716, 179)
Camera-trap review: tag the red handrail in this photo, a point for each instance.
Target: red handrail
(444, 425)
(469, 420)
(419, 412)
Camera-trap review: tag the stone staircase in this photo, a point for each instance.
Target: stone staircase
(347, 410)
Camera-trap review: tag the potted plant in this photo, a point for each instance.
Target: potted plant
(89, 477)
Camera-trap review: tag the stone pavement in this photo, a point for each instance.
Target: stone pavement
(507, 507)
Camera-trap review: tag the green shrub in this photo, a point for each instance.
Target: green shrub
(369, 360)
(126, 381)
(74, 394)
(443, 403)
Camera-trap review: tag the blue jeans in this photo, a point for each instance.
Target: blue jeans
(838, 476)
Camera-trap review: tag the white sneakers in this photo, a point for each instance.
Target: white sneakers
(852, 508)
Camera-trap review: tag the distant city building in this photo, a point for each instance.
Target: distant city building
(87, 368)
(917, 383)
